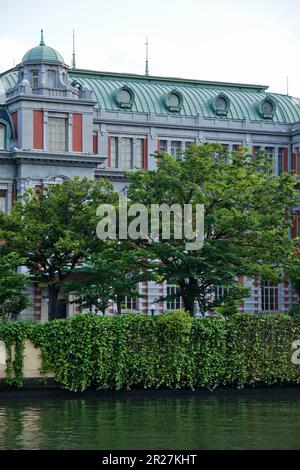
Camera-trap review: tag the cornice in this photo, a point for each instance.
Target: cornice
(23, 156)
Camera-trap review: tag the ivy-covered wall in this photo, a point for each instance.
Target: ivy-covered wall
(171, 351)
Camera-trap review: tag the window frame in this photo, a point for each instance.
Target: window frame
(269, 296)
(35, 78)
(3, 201)
(3, 128)
(175, 303)
(50, 127)
(176, 151)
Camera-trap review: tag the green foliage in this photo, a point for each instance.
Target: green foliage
(246, 231)
(295, 312)
(110, 274)
(13, 334)
(53, 229)
(13, 298)
(260, 350)
(172, 350)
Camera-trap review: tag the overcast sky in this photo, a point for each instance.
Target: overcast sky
(244, 41)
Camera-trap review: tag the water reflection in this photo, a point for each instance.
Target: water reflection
(147, 421)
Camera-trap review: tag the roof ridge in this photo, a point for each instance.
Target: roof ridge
(169, 79)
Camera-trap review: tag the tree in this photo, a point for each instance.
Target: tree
(246, 230)
(293, 271)
(53, 229)
(13, 298)
(111, 274)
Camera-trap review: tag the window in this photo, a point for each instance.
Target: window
(221, 292)
(174, 302)
(139, 153)
(3, 200)
(126, 153)
(114, 156)
(224, 154)
(2, 137)
(163, 146)
(237, 148)
(281, 155)
(296, 162)
(121, 153)
(57, 134)
(129, 303)
(176, 148)
(256, 150)
(95, 143)
(188, 144)
(35, 79)
(51, 78)
(268, 108)
(221, 104)
(271, 152)
(125, 97)
(269, 296)
(174, 101)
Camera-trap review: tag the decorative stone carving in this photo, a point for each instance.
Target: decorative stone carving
(124, 97)
(267, 108)
(221, 104)
(174, 101)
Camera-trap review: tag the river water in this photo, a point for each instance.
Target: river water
(266, 419)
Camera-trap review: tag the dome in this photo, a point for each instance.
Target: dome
(42, 53)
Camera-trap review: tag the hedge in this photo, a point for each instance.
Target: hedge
(171, 351)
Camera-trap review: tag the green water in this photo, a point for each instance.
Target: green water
(264, 420)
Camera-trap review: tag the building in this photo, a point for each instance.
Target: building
(57, 122)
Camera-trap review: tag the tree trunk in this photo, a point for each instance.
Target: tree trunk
(119, 306)
(189, 305)
(188, 300)
(53, 300)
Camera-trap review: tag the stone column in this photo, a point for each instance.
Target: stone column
(152, 148)
(70, 133)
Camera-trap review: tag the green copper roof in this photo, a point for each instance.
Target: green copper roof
(150, 92)
(42, 53)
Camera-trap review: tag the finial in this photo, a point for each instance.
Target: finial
(74, 55)
(147, 57)
(42, 43)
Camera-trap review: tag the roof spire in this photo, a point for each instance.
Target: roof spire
(74, 54)
(147, 57)
(42, 43)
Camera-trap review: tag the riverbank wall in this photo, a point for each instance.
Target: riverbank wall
(32, 363)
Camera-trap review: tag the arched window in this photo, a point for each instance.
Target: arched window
(2, 137)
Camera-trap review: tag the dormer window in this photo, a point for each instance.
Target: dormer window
(221, 105)
(51, 78)
(267, 108)
(35, 79)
